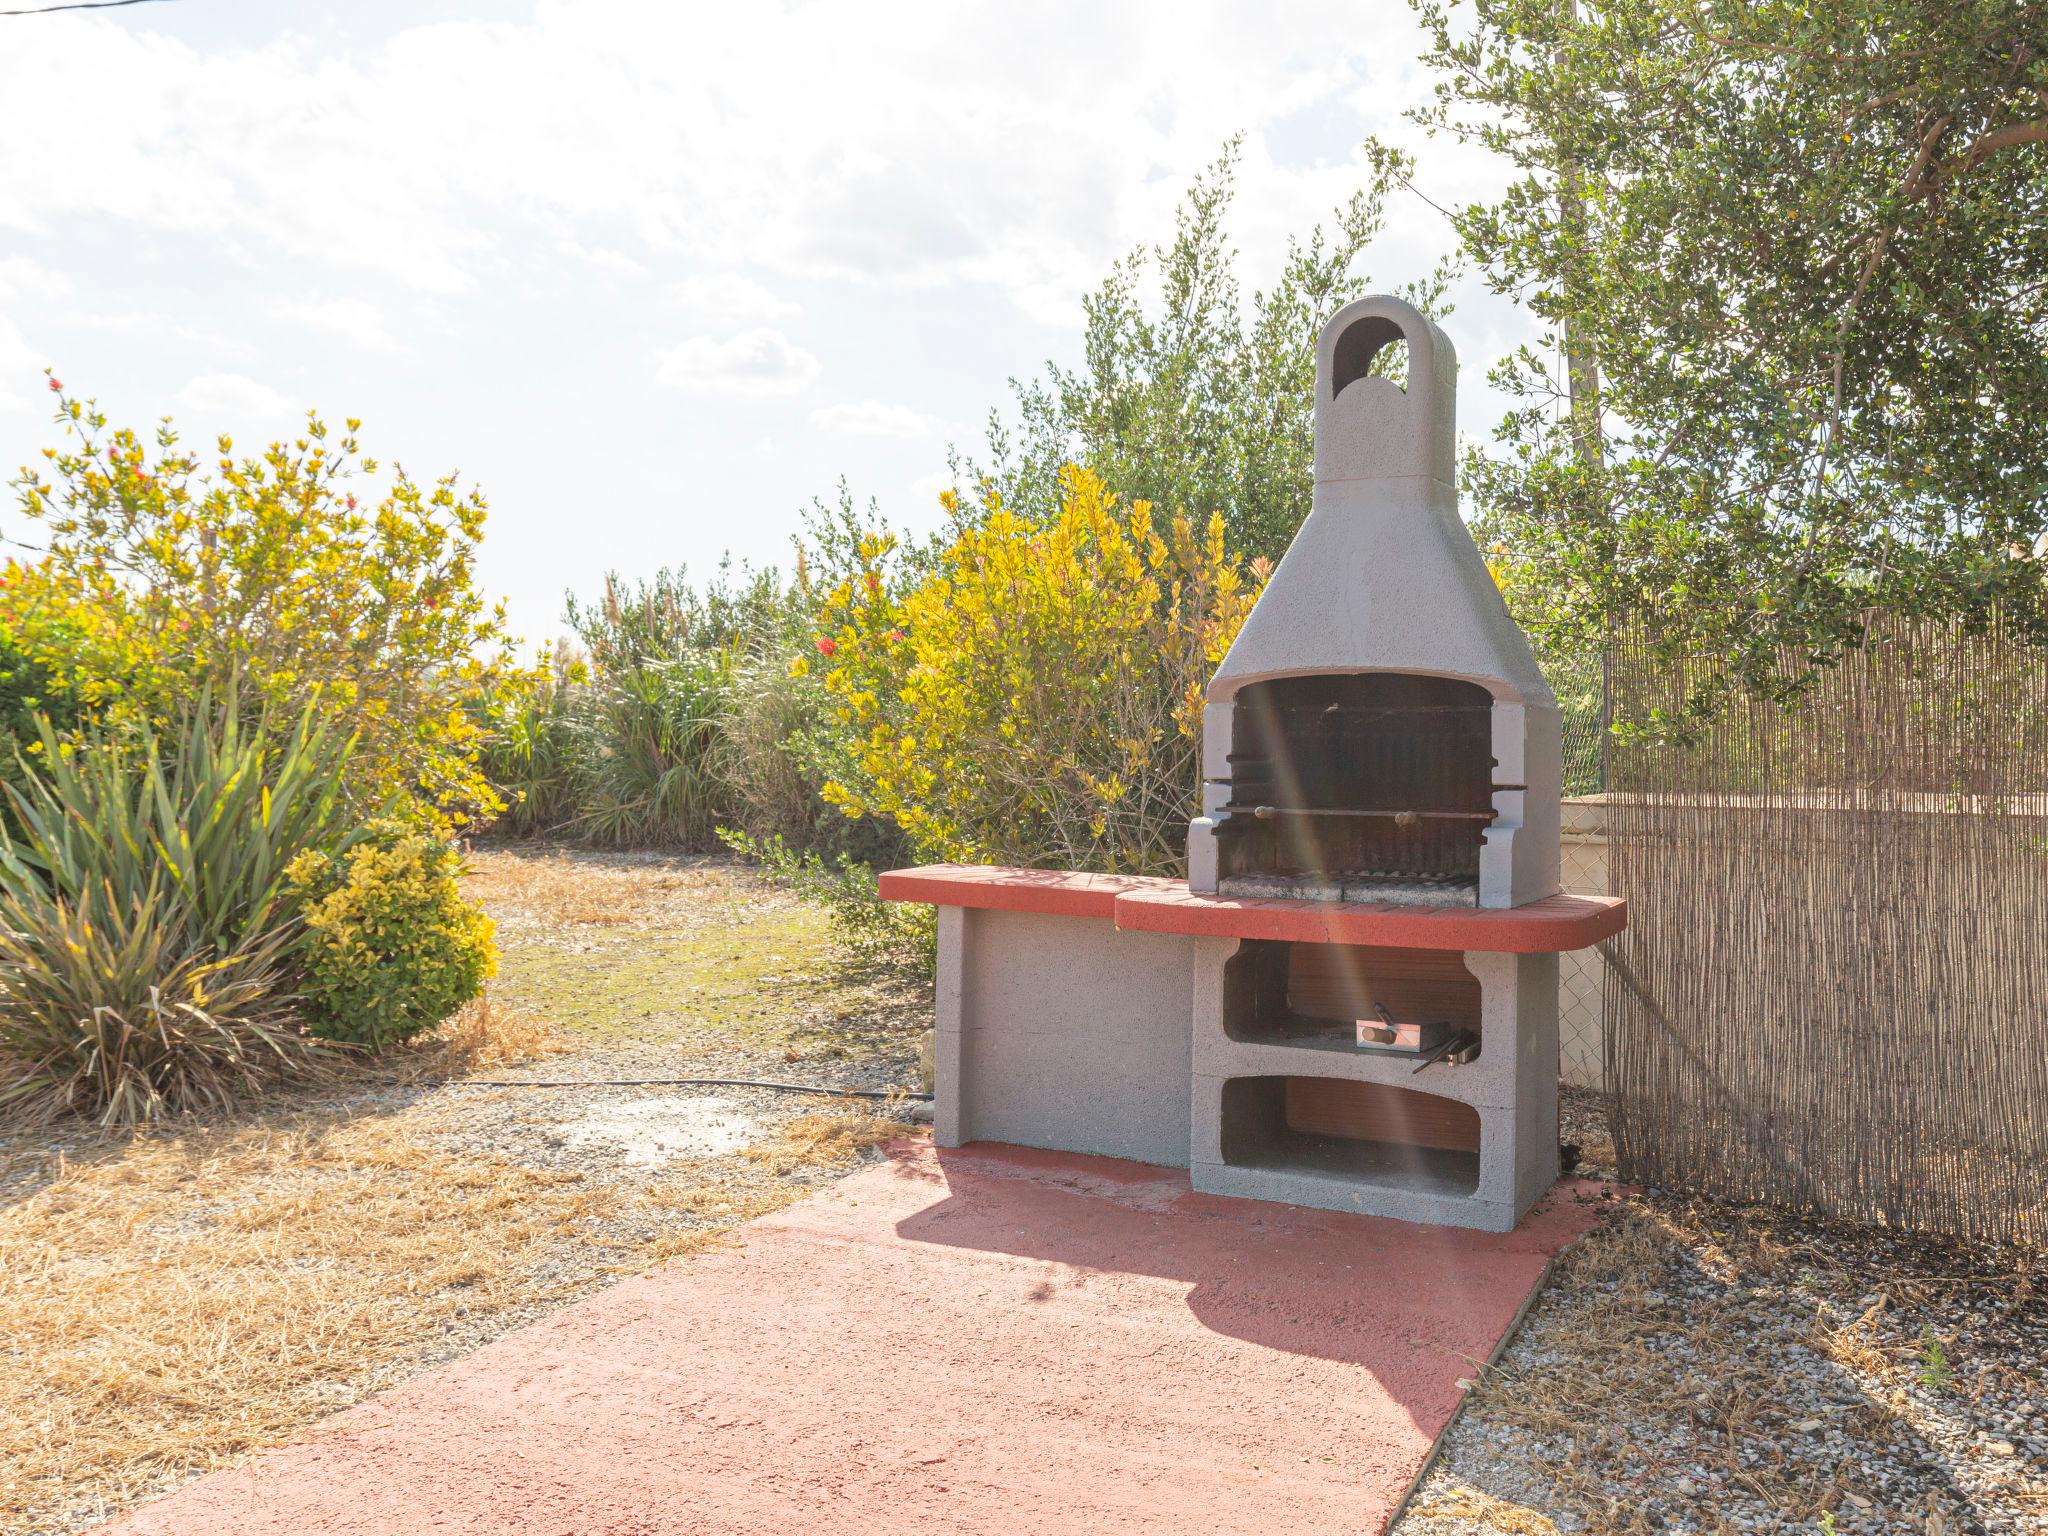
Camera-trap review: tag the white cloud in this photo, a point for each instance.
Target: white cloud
(915, 145)
(753, 364)
(355, 321)
(21, 372)
(873, 418)
(730, 298)
(22, 278)
(233, 402)
(605, 259)
(926, 490)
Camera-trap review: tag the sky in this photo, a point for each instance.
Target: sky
(656, 275)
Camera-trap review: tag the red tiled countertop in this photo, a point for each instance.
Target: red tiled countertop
(1167, 906)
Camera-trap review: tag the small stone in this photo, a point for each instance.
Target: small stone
(2000, 1447)
(1858, 1500)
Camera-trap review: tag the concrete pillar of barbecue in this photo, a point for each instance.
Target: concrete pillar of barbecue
(1384, 577)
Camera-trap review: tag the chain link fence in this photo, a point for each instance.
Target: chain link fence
(1582, 683)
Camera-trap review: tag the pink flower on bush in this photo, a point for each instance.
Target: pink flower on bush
(56, 384)
(895, 634)
(827, 645)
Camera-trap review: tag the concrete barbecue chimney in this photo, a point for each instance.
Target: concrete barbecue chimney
(1380, 732)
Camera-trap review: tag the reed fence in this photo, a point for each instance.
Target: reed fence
(1833, 990)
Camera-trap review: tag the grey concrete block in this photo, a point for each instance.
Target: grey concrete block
(1478, 1083)
(1070, 1035)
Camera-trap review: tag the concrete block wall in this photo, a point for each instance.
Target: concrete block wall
(1062, 1032)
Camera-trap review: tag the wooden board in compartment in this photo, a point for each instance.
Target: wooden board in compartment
(1417, 986)
(1329, 1106)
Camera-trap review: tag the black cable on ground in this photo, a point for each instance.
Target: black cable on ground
(687, 1082)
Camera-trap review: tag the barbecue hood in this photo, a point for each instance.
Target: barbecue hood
(1380, 731)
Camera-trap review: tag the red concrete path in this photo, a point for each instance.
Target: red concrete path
(986, 1340)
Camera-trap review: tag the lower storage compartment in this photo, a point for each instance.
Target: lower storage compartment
(1366, 1131)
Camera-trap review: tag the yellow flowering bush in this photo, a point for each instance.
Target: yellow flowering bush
(391, 946)
(270, 576)
(1033, 694)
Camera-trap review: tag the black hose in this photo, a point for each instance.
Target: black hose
(687, 1082)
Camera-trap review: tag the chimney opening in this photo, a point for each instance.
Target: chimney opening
(1361, 347)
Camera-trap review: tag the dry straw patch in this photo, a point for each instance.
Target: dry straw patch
(481, 1037)
(537, 886)
(831, 1138)
(722, 1194)
(171, 1304)
(1486, 1513)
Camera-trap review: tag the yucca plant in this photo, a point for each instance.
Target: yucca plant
(110, 1009)
(149, 925)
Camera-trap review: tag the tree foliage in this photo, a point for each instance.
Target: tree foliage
(1185, 400)
(267, 576)
(1799, 254)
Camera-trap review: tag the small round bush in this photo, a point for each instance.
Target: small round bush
(391, 945)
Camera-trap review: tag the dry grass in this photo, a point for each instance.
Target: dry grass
(756, 1182)
(172, 1303)
(482, 1036)
(831, 1138)
(1488, 1513)
(584, 888)
(1618, 1370)
(1664, 1342)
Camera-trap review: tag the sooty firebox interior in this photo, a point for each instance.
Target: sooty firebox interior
(1370, 786)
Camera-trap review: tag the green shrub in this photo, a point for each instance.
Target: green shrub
(302, 576)
(149, 924)
(534, 754)
(1035, 696)
(391, 946)
(650, 754)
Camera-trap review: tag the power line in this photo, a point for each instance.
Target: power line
(77, 5)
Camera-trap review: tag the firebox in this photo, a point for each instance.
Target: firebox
(1373, 786)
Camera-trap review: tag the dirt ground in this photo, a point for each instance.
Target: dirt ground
(171, 1302)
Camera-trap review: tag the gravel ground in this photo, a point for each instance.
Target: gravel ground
(1699, 1368)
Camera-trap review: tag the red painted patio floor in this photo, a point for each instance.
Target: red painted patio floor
(982, 1340)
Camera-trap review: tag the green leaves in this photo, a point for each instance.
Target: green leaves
(391, 946)
(1806, 249)
(270, 574)
(1197, 402)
